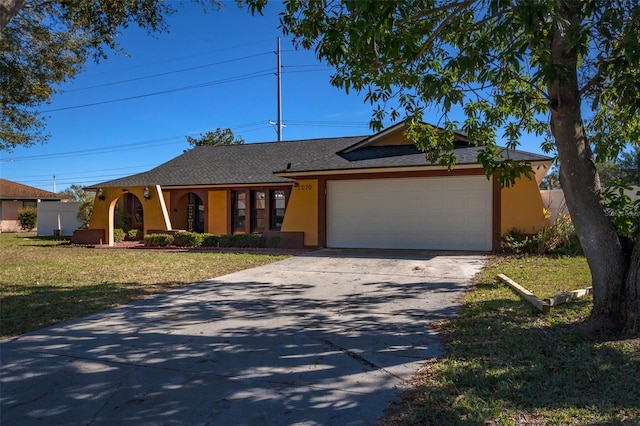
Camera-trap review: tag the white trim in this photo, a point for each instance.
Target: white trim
(163, 206)
(230, 185)
(379, 170)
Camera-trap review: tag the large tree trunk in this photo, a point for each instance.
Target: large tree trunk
(8, 10)
(580, 182)
(632, 292)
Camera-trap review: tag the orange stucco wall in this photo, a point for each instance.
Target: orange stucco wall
(302, 211)
(154, 215)
(393, 139)
(522, 207)
(218, 212)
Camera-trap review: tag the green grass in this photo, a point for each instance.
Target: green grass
(44, 281)
(507, 364)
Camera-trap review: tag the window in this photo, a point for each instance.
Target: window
(239, 212)
(31, 204)
(258, 211)
(278, 204)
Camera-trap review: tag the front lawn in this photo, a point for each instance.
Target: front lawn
(508, 364)
(44, 281)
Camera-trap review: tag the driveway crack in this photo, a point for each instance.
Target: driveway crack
(357, 357)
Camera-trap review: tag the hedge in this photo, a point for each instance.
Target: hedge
(194, 239)
(188, 239)
(158, 240)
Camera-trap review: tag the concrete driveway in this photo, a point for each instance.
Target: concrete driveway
(326, 338)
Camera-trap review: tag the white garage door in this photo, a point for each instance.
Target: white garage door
(443, 213)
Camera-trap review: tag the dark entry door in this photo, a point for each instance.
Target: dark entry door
(195, 214)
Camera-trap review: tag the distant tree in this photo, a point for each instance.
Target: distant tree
(85, 198)
(215, 138)
(43, 43)
(624, 167)
(77, 193)
(551, 179)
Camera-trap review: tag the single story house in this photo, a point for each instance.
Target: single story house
(374, 191)
(15, 196)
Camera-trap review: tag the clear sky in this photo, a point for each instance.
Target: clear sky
(130, 113)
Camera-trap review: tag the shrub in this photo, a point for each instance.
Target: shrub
(274, 241)
(158, 240)
(237, 240)
(84, 213)
(118, 235)
(247, 240)
(623, 210)
(134, 235)
(28, 218)
(210, 240)
(188, 239)
(559, 238)
(226, 240)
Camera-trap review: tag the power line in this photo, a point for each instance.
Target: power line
(93, 151)
(180, 58)
(163, 92)
(69, 175)
(130, 145)
(317, 123)
(166, 73)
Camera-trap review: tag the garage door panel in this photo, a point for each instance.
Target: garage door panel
(452, 213)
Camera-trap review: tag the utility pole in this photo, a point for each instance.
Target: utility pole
(54, 183)
(279, 96)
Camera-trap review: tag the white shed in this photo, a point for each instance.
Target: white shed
(56, 218)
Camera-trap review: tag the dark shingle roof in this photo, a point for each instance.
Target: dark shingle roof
(256, 163)
(235, 164)
(399, 156)
(17, 191)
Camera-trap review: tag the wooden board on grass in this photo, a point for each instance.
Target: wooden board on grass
(539, 304)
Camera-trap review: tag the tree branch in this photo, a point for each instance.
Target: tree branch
(595, 80)
(433, 11)
(8, 10)
(441, 26)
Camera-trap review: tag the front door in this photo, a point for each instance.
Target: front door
(195, 214)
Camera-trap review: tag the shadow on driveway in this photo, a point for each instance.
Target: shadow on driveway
(324, 338)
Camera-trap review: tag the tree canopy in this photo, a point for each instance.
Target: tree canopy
(77, 193)
(625, 167)
(564, 70)
(217, 137)
(45, 43)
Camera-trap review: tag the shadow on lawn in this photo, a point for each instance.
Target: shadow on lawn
(501, 366)
(42, 305)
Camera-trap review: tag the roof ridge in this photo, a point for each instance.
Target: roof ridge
(284, 142)
(29, 191)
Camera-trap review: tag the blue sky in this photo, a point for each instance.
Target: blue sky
(130, 113)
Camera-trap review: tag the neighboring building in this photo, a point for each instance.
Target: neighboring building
(16, 196)
(369, 191)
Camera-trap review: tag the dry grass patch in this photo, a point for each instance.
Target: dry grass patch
(44, 281)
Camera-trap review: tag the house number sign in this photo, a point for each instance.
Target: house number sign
(306, 187)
